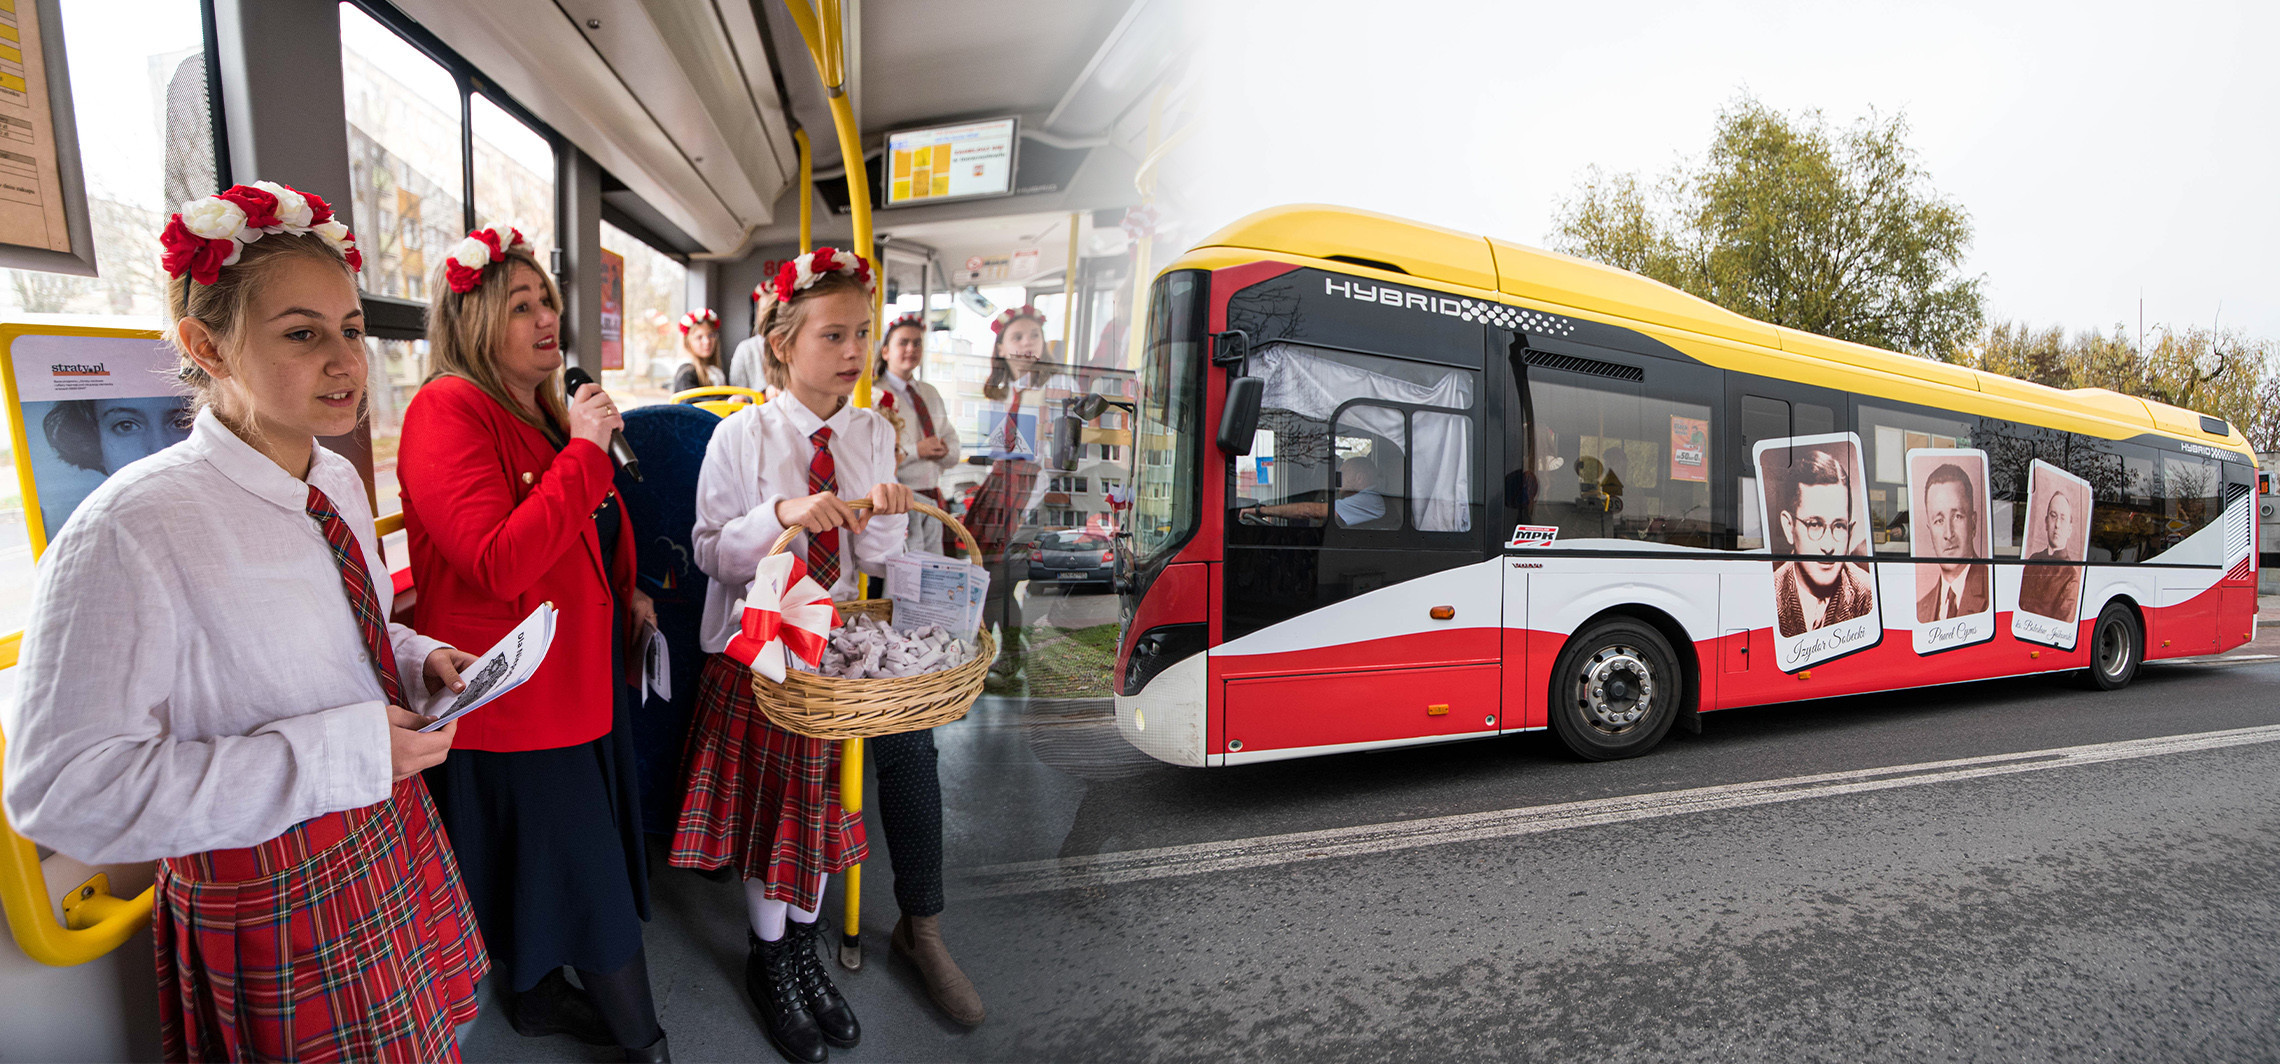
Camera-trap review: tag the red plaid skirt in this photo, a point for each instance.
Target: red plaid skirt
(348, 937)
(762, 798)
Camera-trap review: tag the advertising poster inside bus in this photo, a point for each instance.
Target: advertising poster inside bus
(2058, 530)
(1813, 504)
(87, 406)
(1947, 516)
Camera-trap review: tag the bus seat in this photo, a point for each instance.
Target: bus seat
(671, 439)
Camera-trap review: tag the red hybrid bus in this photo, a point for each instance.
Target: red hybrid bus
(1398, 485)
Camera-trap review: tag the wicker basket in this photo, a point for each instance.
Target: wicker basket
(831, 707)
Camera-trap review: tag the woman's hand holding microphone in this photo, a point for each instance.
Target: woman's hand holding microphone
(593, 416)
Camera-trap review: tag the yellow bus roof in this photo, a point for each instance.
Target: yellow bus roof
(1432, 256)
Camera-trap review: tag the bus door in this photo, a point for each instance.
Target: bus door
(1763, 409)
(1356, 610)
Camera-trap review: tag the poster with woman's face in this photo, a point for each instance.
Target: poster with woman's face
(1813, 501)
(90, 405)
(2058, 539)
(1947, 523)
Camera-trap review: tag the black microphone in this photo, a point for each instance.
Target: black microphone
(575, 378)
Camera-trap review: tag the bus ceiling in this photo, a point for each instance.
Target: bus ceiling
(690, 108)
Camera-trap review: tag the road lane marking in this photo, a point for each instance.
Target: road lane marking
(1171, 862)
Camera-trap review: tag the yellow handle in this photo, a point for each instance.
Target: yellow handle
(917, 506)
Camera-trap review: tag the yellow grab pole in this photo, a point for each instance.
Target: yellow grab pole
(807, 191)
(820, 28)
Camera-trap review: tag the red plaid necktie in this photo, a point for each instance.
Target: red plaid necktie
(823, 475)
(1013, 422)
(357, 582)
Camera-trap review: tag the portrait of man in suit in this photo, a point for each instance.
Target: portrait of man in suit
(1815, 513)
(2055, 590)
(1950, 528)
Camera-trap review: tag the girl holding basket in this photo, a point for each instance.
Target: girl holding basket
(760, 798)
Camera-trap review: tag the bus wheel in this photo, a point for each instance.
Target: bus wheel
(1615, 691)
(2116, 648)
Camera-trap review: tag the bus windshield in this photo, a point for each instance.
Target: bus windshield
(1165, 509)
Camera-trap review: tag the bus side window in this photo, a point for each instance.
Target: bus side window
(1624, 458)
(1369, 447)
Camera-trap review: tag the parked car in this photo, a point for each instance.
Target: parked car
(1072, 558)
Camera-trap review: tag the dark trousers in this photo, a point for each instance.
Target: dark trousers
(910, 808)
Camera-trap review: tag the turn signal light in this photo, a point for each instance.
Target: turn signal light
(1806, 675)
(1437, 710)
(1442, 613)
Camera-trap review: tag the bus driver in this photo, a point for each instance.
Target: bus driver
(1812, 593)
(1358, 503)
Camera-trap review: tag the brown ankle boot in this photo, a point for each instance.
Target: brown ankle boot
(919, 939)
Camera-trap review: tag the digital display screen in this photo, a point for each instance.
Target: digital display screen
(943, 163)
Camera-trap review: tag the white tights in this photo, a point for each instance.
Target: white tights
(768, 916)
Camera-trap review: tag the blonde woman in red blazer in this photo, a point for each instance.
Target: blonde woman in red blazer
(509, 504)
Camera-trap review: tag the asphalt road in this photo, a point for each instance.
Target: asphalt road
(1919, 876)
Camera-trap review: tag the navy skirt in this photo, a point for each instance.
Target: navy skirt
(550, 846)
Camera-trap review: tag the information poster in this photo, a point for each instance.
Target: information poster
(1690, 449)
(613, 308)
(86, 406)
(31, 192)
(950, 162)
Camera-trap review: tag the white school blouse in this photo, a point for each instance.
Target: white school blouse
(193, 677)
(922, 474)
(758, 458)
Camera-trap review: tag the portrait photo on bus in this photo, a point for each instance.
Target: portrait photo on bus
(1813, 506)
(2057, 540)
(1948, 523)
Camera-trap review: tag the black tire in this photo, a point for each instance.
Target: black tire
(1615, 691)
(2117, 647)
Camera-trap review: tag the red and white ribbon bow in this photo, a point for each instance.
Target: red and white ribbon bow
(785, 609)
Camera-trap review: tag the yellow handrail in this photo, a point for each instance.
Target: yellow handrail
(389, 525)
(820, 29)
(95, 923)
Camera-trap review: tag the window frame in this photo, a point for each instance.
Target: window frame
(394, 317)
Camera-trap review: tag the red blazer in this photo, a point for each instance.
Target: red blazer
(500, 522)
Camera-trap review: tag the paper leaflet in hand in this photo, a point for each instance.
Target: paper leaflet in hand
(656, 666)
(784, 610)
(504, 667)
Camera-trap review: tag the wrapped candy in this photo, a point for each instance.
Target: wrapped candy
(869, 648)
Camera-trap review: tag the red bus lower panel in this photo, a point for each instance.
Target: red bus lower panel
(1330, 709)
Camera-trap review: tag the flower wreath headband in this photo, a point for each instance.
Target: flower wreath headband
(1013, 314)
(463, 268)
(695, 318)
(909, 320)
(804, 271)
(211, 232)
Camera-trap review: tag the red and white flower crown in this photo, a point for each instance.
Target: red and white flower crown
(1014, 314)
(911, 320)
(209, 233)
(695, 318)
(803, 271)
(463, 268)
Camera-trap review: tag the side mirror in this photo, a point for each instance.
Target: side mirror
(1090, 407)
(1239, 420)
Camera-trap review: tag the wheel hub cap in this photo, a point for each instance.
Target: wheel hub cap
(1618, 687)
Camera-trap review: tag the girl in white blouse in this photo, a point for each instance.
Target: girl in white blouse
(761, 798)
(926, 440)
(209, 680)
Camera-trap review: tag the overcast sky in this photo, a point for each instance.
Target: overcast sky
(2104, 151)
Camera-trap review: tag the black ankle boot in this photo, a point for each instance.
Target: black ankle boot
(772, 977)
(653, 1053)
(556, 1007)
(832, 1013)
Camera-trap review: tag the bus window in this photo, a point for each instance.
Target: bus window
(1335, 449)
(1622, 459)
(1889, 435)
